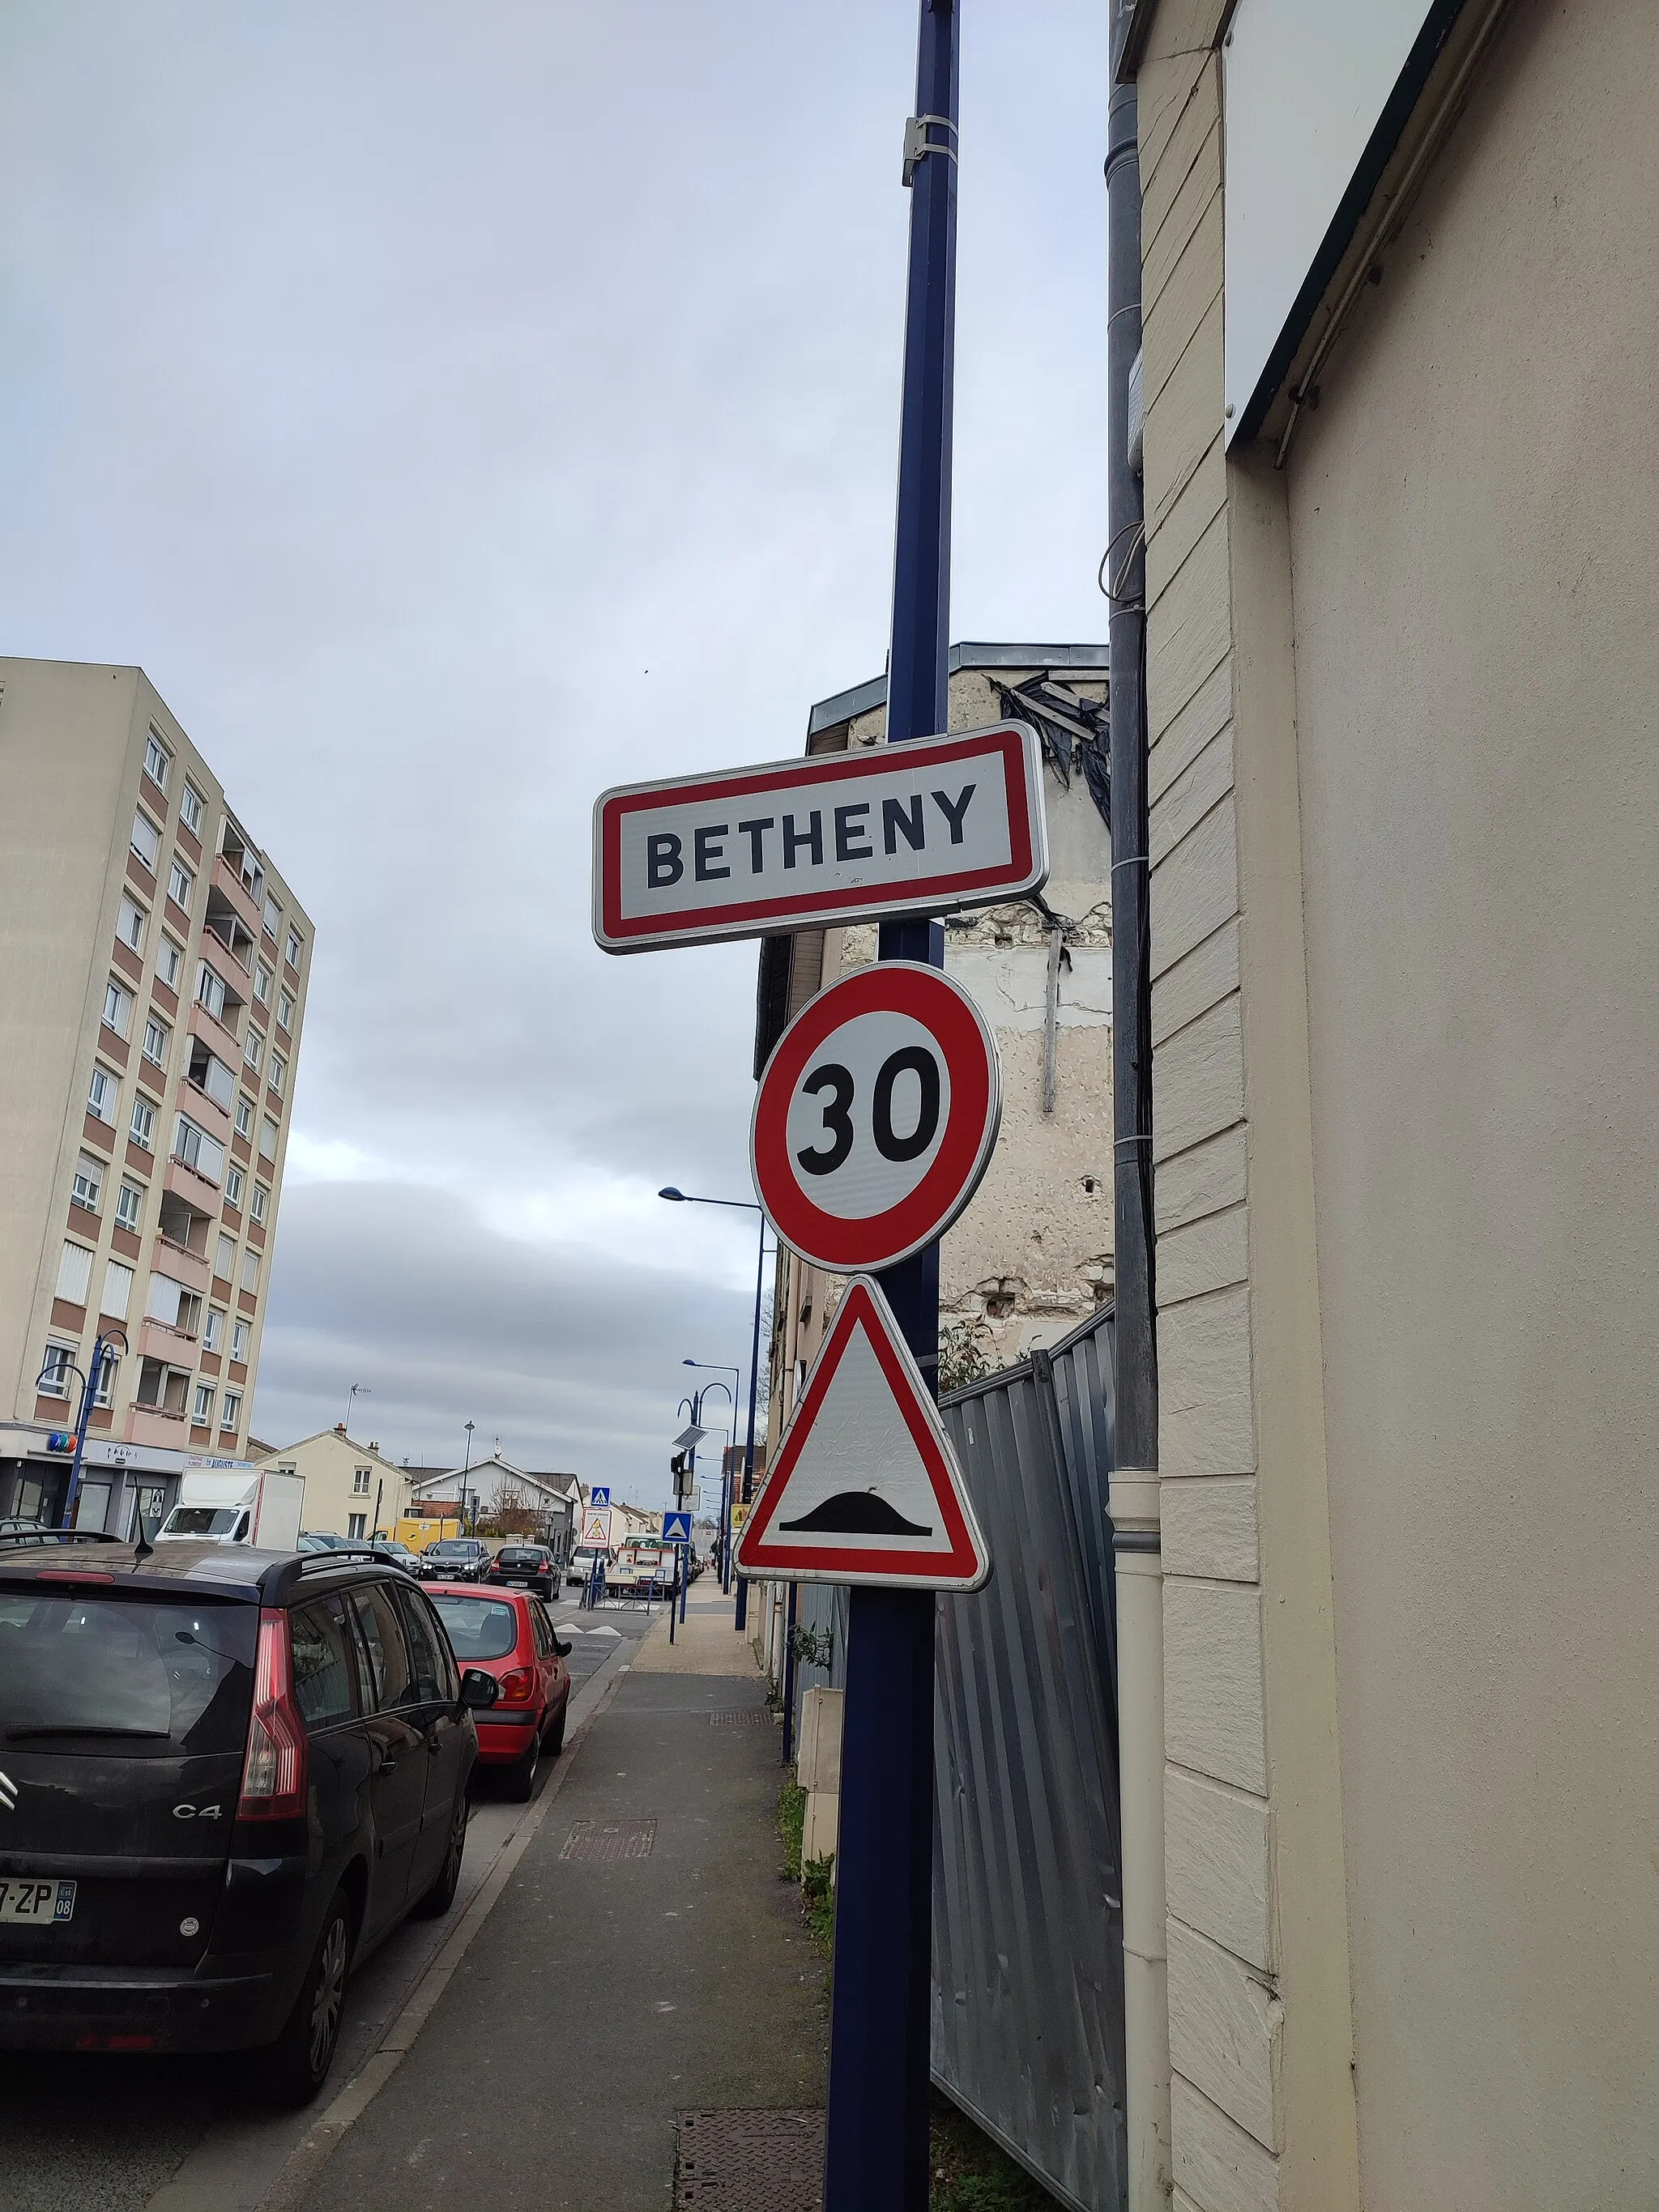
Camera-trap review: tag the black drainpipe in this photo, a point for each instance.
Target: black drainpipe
(1135, 1515)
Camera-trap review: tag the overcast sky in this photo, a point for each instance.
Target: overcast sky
(456, 410)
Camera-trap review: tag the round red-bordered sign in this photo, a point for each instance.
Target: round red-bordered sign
(876, 1117)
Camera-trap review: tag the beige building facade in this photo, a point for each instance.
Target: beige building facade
(1402, 668)
(153, 967)
(351, 1489)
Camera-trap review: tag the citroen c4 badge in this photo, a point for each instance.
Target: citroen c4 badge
(8, 1794)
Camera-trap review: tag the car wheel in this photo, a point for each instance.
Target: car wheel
(296, 2065)
(556, 1741)
(520, 1777)
(441, 1895)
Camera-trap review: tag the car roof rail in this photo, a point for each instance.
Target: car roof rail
(43, 1535)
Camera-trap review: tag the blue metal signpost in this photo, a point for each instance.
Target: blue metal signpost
(103, 1367)
(877, 2155)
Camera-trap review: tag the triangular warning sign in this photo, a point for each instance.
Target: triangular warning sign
(866, 1488)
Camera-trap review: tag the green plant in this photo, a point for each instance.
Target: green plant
(962, 1353)
(818, 1902)
(812, 1647)
(968, 2172)
(792, 1826)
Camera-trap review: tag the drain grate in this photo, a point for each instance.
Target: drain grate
(740, 1716)
(751, 2161)
(609, 1840)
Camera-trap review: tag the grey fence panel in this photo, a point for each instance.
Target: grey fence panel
(1028, 1975)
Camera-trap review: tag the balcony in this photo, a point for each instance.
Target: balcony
(227, 882)
(191, 1269)
(220, 1039)
(174, 1348)
(157, 1424)
(196, 1190)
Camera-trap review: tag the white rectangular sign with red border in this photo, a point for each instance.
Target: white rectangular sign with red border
(929, 827)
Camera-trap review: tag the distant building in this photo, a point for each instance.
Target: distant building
(350, 1489)
(546, 1505)
(154, 969)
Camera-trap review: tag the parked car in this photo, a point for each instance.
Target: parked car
(530, 1564)
(580, 1564)
(394, 1553)
(227, 1775)
(511, 1633)
(454, 1560)
(320, 1540)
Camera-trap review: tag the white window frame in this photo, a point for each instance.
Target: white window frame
(253, 1046)
(158, 761)
(117, 1009)
(109, 1367)
(142, 1117)
(156, 1029)
(129, 1217)
(132, 923)
(197, 1148)
(87, 1191)
(202, 1412)
(244, 1114)
(276, 1073)
(230, 1413)
(295, 951)
(285, 1010)
(360, 1477)
(262, 980)
(65, 1356)
(213, 1328)
(356, 1524)
(241, 1331)
(169, 961)
(224, 1274)
(210, 988)
(250, 1271)
(182, 884)
(105, 1088)
(234, 1183)
(146, 840)
(259, 1205)
(191, 807)
(271, 919)
(270, 1138)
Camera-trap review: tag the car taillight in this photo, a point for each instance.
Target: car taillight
(274, 1773)
(518, 1686)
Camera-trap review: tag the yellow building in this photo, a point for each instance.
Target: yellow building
(351, 1489)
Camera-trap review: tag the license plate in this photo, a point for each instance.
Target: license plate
(34, 1901)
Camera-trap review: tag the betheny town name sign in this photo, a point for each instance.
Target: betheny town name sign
(932, 826)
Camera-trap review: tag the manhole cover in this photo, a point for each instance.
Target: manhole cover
(741, 1717)
(751, 2161)
(610, 1839)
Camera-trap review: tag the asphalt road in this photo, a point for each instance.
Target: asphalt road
(92, 2134)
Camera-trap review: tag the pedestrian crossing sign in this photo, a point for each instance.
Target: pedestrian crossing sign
(677, 1528)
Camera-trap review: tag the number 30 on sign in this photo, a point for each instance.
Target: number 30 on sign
(876, 1117)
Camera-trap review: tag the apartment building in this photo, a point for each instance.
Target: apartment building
(154, 969)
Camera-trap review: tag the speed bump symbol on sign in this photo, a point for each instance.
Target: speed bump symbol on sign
(876, 1117)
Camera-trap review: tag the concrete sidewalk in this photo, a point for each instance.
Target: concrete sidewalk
(645, 1958)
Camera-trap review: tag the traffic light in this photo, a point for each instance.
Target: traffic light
(680, 1467)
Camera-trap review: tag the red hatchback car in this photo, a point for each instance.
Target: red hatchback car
(509, 1634)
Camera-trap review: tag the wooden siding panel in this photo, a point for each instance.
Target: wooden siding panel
(1206, 1255)
(1161, 250)
(1217, 2165)
(1195, 889)
(1198, 1081)
(1200, 1182)
(1212, 1693)
(1216, 1863)
(1192, 986)
(1207, 1424)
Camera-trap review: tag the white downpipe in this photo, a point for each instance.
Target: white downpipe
(1140, 1578)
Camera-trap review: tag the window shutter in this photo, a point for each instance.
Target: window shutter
(75, 1274)
(118, 1290)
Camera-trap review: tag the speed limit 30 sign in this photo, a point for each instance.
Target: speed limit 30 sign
(876, 1117)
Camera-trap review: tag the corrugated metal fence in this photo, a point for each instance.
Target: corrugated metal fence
(1027, 1925)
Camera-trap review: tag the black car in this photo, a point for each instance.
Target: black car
(531, 1566)
(225, 1776)
(454, 1560)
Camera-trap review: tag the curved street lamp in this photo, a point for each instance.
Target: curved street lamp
(740, 1615)
(103, 1371)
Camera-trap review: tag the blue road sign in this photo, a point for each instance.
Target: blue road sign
(677, 1528)
(599, 1496)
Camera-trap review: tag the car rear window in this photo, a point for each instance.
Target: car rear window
(126, 1676)
(479, 1627)
(510, 1557)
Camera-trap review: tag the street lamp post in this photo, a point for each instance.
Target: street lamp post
(740, 1615)
(103, 1365)
(723, 1542)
